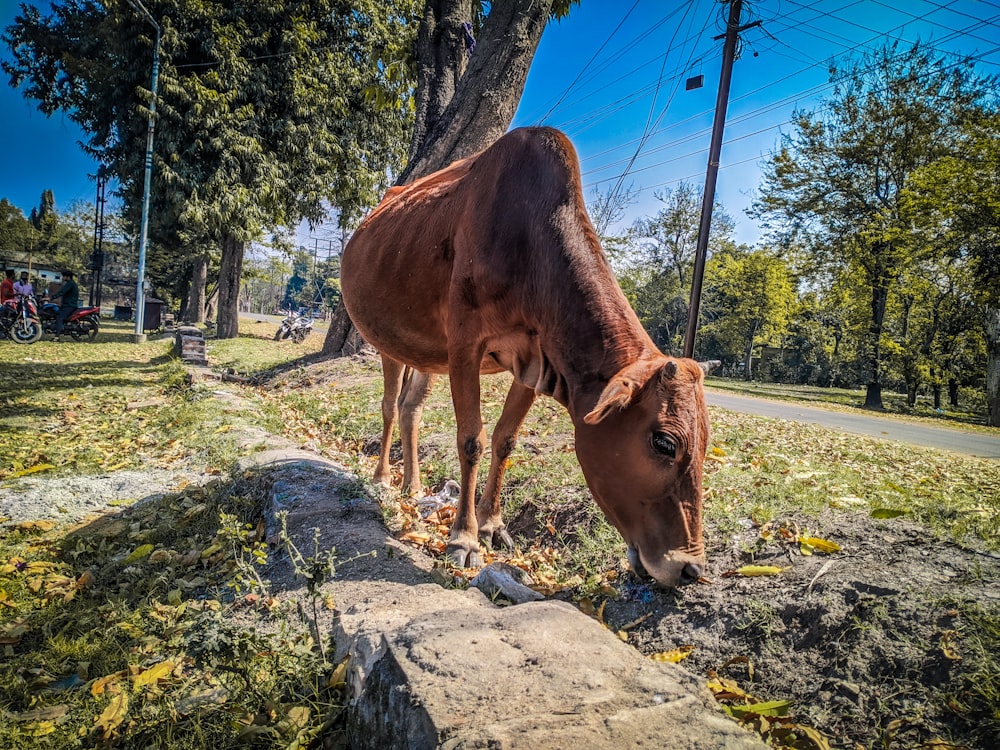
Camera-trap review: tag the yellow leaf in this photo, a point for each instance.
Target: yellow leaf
(113, 716)
(138, 553)
(210, 550)
(726, 689)
(770, 708)
(41, 525)
(674, 655)
(32, 470)
(750, 571)
(820, 545)
(155, 673)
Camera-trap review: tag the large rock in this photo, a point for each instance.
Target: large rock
(538, 675)
(432, 667)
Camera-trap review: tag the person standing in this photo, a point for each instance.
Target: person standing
(7, 286)
(23, 285)
(70, 295)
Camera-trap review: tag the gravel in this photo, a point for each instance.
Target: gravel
(71, 499)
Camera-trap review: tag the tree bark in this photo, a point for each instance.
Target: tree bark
(485, 91)
(992, 331)
(228, 323)
(880, 296)
(194, 307)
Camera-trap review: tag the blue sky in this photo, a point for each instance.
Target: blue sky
(612, 75)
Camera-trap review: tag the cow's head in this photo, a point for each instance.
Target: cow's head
(642, 450)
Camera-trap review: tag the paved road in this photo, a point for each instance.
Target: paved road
(944, 438)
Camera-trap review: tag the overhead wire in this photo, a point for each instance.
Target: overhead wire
(758, 111)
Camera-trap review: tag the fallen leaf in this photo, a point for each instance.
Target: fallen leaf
(674, 655)
(751, 571)
(809, 543)
(769, 708)
(154, 674)
(888, 513)
(138, 553)
(112, 716)
(31, 470)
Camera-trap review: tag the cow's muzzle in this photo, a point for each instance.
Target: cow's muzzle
(670, 570)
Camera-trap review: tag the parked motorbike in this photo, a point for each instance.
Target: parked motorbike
(82, 323)
(295, 327)
(19, 320)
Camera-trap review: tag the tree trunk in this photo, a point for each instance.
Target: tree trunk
(992, 331)
(194, 306)
(463, 104)
(880, 295)
(228, 323)
(953, 392)
(441, 59)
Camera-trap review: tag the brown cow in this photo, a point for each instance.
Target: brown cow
(492, 264)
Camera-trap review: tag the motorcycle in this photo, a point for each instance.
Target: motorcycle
(19, 320)
(295, 327)
(82, 323)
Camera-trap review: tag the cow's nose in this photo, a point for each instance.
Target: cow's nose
(690, 574)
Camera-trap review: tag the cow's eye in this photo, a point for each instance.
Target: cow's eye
(664, 444)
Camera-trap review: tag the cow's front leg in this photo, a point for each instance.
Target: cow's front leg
(463, 372)
(515, 408)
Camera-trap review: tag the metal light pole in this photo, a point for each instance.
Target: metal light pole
(140, 288)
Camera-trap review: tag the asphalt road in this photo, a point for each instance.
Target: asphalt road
(944, 438)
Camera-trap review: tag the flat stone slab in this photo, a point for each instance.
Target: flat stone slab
(537, 675)
(433, 667)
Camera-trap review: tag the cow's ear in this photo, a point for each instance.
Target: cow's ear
(621, 389)
(617, 395)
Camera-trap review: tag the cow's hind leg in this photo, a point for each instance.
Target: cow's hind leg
(392, 376)
(515, 408)
(411, 409)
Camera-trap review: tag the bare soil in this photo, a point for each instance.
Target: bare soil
(875, 645)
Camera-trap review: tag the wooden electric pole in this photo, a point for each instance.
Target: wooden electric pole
(731, 36)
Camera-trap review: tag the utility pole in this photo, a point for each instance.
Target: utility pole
(731, 36)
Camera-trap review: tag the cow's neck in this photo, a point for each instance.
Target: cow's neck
(585, 339)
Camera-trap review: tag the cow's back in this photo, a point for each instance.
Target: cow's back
(488, 237)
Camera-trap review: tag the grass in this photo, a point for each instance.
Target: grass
(154, 628)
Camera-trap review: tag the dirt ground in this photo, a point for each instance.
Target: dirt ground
(871, 644)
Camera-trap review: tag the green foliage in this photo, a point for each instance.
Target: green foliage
(838, 186)
(261, 118)
(749, 297)
(655, 272)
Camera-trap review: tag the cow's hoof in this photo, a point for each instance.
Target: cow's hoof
(463, 557)
(496, 538)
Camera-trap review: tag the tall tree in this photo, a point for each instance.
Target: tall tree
(958, 196)
(836, 184)
(656, 272)
(749, 297)
(466, 95)
(262, 115)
